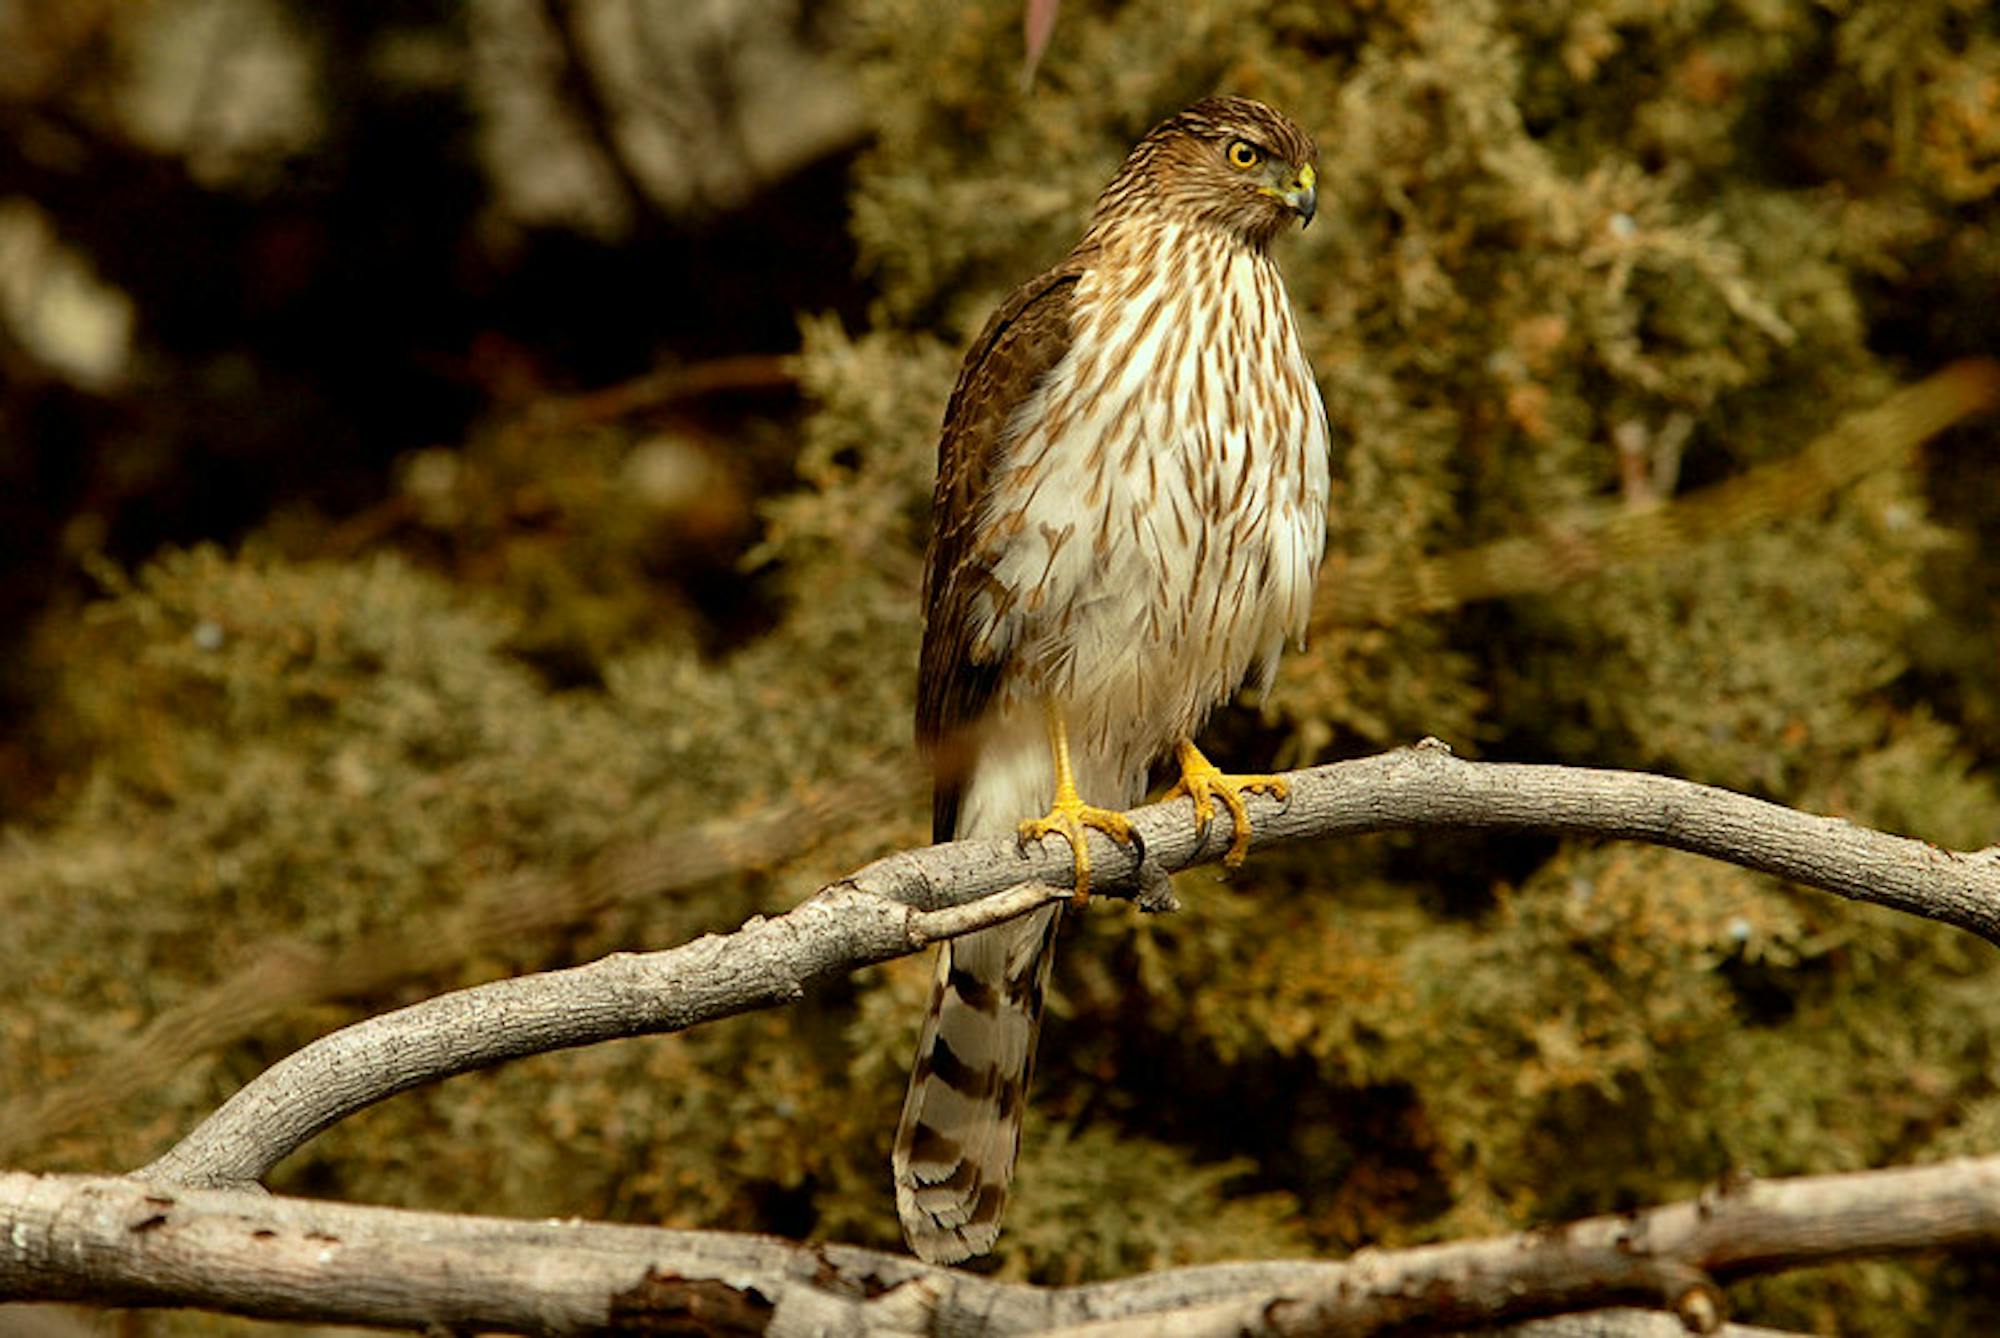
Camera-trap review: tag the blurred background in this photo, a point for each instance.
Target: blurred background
(463, 474)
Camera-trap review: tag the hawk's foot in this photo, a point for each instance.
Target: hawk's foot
(1072, 819)
(1204, 782)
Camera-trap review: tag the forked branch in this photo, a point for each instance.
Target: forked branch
(182, 1232)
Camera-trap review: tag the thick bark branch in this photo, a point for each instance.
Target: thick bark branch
(123, 1242)
(899, 904)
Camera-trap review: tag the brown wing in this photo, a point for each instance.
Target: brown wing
(1026, 337)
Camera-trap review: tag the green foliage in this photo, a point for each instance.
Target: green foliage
(1766, 668)
(1707, 229)
(1118, 1202)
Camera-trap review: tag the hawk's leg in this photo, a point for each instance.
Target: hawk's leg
(1070, 817)
(1204, 782)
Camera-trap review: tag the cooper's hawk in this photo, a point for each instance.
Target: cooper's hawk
(1130, 508)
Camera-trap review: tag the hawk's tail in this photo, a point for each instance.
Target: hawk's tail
(961, 1125)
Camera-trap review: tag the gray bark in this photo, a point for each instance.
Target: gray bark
(120, 1241)
(899, 904)
(186, 1231)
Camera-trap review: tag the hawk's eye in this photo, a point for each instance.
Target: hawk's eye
(1244, 155)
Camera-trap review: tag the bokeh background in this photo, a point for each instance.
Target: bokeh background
(463, 473)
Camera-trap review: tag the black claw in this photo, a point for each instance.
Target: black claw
(1138, 845)
(1156, 890)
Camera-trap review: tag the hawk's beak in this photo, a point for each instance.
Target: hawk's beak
(1298, 194)
(1305, 195)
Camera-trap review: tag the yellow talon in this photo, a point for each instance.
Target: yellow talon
(1204, 782)
(1071, 818)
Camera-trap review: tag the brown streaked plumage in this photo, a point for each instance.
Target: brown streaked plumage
(1129, 510)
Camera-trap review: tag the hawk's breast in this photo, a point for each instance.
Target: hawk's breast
(1154, 531)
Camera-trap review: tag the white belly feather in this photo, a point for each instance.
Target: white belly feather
(1161, 513)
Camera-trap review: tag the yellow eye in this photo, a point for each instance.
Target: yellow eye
(1244, 155)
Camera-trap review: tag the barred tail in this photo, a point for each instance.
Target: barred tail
(961, 1125)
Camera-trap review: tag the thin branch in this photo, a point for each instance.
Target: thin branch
(899, 904)
(123, 1242)
(763, 964)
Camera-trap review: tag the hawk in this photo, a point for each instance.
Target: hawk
(1130, 508)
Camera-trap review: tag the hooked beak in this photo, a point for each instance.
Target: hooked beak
(1299, 195)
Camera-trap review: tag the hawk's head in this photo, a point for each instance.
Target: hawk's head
(1225, 162)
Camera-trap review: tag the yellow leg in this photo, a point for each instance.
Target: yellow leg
(1070, 817)
(1204, 782)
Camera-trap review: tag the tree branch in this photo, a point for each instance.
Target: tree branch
(164, 1237)
(899, 904)
(765, 963)
(123, 1242)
